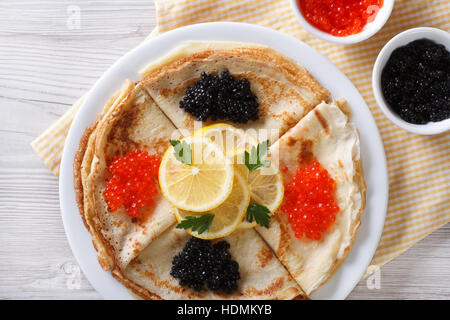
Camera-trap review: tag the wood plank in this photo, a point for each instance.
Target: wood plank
(420, 273)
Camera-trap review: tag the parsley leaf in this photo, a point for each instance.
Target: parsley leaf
(256, 158)
(183, 152)
(200, 223)
(259, 213)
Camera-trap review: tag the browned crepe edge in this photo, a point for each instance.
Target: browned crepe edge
(104, 261)
(302, 297)
(78, 160)
(134, 287)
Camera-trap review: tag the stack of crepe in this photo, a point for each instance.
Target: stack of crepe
(273, 263)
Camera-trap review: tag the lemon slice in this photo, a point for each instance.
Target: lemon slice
(266, 185)
(228, 215)
(227, 137)
(201, 186)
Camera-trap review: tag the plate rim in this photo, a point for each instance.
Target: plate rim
(114, 77)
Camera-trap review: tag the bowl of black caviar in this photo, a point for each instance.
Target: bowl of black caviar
(411, 80)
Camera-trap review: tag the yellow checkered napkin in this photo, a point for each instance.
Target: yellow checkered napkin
(419, 166)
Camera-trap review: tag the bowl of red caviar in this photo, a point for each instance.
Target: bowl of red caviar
(342, 21)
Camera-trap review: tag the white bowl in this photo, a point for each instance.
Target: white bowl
(399, 40)
(369, 29)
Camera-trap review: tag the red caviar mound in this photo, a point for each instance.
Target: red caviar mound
(309, 202)
(132, 182)
(340, 17)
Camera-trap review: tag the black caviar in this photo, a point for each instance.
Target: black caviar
(416, 82)
(221, 97)
(202, 263)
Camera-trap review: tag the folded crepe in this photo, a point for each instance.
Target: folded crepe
(139, 252)
(136, 123)
(285, 90)
(324, 135)
(82, 170)
(120, 128)
(262, 275)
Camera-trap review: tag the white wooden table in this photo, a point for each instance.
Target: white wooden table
(47, 61)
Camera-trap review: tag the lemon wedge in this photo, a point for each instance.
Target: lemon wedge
(227, 137)
(266, 185)
(200, 179)
(227, 216)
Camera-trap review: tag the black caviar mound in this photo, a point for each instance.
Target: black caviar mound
(416, 82)
(202, 263)
(221, 97)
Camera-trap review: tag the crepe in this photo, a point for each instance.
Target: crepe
(325, 135)
(285, 90)
(262, 275)
(136, 123)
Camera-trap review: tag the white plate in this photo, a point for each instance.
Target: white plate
(373, 157)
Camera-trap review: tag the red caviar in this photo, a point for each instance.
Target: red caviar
(309, 202)
(340, 17)
(132, 182)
